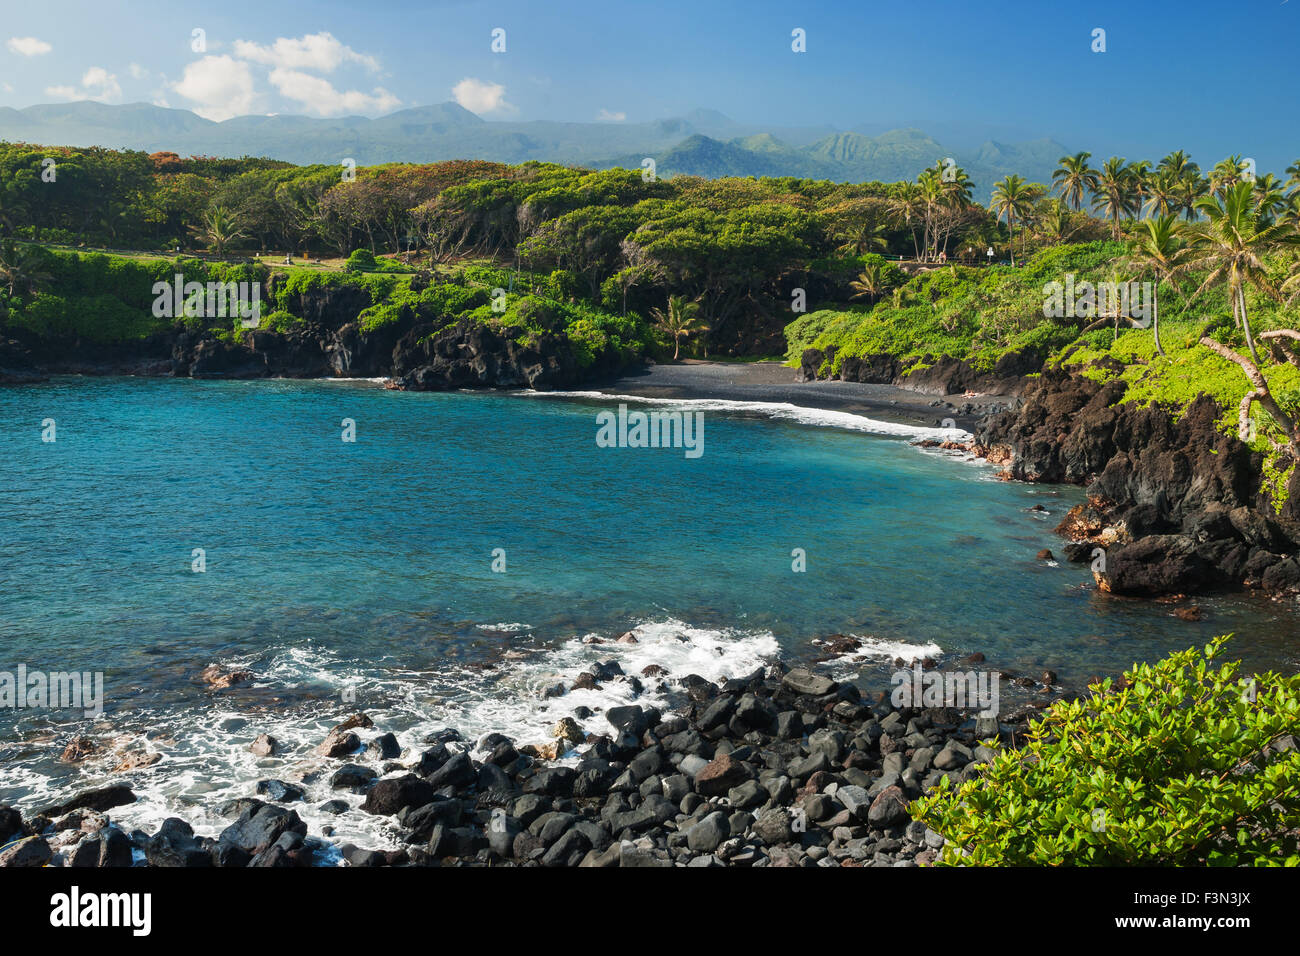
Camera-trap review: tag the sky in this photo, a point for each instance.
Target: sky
(1212, 78)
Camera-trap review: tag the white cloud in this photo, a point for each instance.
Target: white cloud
(316, 51)
(28, 46)
(96, 84)
(480, 97)
(221, 86)
(607, 116)
(319, 96)
(137, 71)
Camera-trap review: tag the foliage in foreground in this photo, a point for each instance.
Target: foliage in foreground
(1186, 765)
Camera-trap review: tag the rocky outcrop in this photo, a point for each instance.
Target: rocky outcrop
(775, 768)
(1174, 504)
(419, 352)
(17, 365)
(942, 375)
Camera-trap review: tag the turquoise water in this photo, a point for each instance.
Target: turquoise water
(367, 567)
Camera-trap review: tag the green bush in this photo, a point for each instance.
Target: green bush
(1185, 765)
(361, 260)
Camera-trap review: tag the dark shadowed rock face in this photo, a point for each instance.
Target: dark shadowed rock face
(1174, 505)
(941, 375)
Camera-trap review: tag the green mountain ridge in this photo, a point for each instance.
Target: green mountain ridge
(701, 143)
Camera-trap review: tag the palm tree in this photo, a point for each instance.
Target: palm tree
(1232, 246)
(1162, 192)
(216, 229)
(1114, 192)
(904, 205)
(870, 282)
(1013, 199)
(1139, 173)
(1270, 197)
(682, 320)
(1161, 251)
(1225, 175)
(1293, 177)
(862, 237)
(1191, 188)
(1074, 177)
(22, 268)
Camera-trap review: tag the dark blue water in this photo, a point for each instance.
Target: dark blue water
(369, 565)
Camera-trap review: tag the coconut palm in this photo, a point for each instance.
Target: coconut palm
(1232, 245)
(1226, 174)
(1161, 251)
(22, 268)
(870, 282)
(682, 320)
(1270, 197)
(1139, 173)
(905, 205)
(1293, 177)
(217, 228)
(1074, 177)
(1162, 192)
(862, 237)
(1180, 164)
(1013, 200)
(1191, 188)
(1114, 192)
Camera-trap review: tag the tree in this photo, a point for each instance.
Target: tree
(1013, 199)
(22, 268)
(870, 282)
(1115, 192)
(217, 229)
(1232, 245)
(1074, 177)
(682, 320)
(1160, 250)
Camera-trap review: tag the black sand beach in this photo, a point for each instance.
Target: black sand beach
(774, 382)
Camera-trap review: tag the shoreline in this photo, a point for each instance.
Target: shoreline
(783, 767)
(774, 382)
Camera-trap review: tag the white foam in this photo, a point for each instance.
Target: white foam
(778, 410)
(207, 761)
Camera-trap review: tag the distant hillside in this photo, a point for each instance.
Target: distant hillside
(701, 143)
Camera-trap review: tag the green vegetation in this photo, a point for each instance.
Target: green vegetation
(1184, 763)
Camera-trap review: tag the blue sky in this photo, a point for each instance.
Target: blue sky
(1210, 77)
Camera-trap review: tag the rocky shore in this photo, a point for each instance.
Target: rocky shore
(777, 768)
(1174, 506)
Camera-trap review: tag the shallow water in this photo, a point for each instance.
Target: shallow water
(360, 575)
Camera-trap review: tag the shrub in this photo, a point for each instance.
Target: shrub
(1184, 765)
(361, 260)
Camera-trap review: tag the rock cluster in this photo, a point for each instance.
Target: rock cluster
(779, 768)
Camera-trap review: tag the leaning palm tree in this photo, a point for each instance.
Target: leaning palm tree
(1161, 251)
(1013, 200)
(217, 228)
(1115, 192)
(1232, 246)
(682, 320)
(870, 282)
(1074, 177)
(22, 268)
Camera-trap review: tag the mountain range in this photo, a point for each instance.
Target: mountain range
(702, 142)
